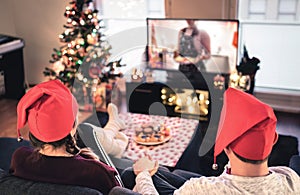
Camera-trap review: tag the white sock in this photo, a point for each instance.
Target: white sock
(113, 117)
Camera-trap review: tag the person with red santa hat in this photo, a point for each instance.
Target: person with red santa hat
(51, 112)
(247, 133)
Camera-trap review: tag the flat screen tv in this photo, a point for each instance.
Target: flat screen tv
(210, 44)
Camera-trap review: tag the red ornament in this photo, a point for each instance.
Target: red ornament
(94, 71)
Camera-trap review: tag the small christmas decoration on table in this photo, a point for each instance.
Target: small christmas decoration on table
(151, 134)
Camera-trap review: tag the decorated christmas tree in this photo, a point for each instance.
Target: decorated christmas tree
(81, 63)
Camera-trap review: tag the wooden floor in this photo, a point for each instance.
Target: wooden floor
(288, 123)
(8, 118)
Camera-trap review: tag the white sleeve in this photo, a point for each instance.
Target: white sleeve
(144, 184)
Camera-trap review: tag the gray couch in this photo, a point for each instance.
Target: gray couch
(11, 185)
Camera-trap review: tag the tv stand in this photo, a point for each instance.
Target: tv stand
(196, 91)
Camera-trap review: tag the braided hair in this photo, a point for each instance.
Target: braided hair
(69, 142)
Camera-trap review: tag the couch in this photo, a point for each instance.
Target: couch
(11, 185)
(295, 163)
(7, 147)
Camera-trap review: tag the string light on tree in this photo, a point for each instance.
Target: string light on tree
(85, 52)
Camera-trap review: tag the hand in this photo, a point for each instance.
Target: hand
(154, 170)
(145, 164)
(188, 60)
(198, 58)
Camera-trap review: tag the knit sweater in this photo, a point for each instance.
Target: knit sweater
(281, 180)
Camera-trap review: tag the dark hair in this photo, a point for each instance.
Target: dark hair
(194, 33)
(68, 141)
(71, 147)
(256, 162)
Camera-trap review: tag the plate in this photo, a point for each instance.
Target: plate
(153, 143)
(149, 134)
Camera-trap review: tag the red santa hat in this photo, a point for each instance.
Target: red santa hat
(247, 126)
(50, 110)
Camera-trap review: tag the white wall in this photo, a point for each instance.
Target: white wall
(38, 22)
(214, 9)
(7, 25)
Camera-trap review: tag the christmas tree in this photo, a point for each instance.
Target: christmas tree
(81, 63)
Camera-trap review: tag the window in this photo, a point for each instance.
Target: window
(257, 9)
(268, 10)
(270, 31)
(125, 26)
(287, 10)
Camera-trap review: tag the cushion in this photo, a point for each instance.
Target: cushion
(7, 147)
(88, 137)
(283, 150)
(295, 163)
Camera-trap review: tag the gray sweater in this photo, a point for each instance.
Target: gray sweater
(281, 180)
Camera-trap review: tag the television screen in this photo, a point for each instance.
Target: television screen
(184, 44)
